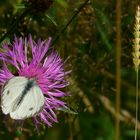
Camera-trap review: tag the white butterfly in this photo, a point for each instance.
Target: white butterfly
(21, 98)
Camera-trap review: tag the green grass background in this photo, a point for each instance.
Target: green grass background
(89, 45)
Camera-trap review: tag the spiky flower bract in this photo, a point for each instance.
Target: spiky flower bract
(35, 60)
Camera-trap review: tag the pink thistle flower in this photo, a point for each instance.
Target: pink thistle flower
(44, 67)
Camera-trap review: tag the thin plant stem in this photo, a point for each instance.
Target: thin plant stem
(118, 67)
(70, 21)
(14, 25)
(137, 102)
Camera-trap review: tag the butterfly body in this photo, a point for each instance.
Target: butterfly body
(21, 98)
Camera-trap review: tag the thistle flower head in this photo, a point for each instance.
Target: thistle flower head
(33, 61)
(136, 42)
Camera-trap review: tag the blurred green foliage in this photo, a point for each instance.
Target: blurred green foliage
(89, 44)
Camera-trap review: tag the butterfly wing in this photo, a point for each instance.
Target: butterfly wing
(18, 106)
(11, 92)
(31, 104)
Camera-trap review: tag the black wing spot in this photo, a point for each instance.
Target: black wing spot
(8, 92)
(30, 109)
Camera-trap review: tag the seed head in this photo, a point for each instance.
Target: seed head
(136, 42)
